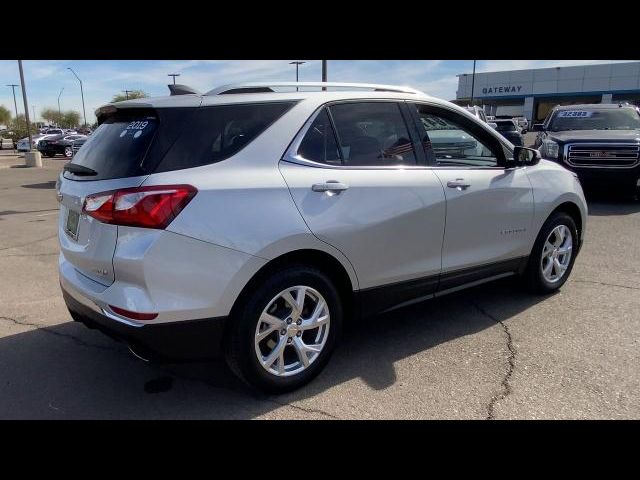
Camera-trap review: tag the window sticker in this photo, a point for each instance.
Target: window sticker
(136, 127)
(574, 114)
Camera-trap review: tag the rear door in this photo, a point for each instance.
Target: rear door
(363, 188)
(489, 207)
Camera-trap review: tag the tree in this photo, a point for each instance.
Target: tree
(70, 119)
(5, 116)
(132, 94)
(51, 115)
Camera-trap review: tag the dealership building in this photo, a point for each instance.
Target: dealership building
(533, 93)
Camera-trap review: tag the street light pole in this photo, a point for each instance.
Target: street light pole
(127, 92)
(59, 111)
(84, 113)
(297, 64)
(26, 107)
(15, 104)
(473, 81)
(324, 72)
(174, 75)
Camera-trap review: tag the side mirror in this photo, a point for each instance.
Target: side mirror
(538, 127)
(525, 156)
(492, 125)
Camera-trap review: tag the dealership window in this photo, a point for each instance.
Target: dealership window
(448, 141)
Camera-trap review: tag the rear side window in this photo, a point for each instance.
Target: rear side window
(319, 143)
(217, 133)
(372, 134)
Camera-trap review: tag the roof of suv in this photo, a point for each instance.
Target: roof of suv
(218, 95)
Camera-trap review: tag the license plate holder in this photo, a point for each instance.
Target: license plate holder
(71, 226)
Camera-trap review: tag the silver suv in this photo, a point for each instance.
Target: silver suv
(255, 220)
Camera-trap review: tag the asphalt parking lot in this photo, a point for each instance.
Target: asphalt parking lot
(490, 352)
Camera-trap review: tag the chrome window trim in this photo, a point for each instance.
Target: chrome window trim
(565, 158)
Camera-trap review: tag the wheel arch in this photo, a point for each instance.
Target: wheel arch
(571, 209)
(323, 261)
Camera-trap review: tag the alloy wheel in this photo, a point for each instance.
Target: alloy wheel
(556, 254)
(292, 331)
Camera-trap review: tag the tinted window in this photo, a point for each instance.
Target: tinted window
(135, 142)
(591, 119)
(118, 146)
(372, 134)
(217, 133)
(319, 143)
(450, 142)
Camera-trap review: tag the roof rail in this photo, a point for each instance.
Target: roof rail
(253, 87)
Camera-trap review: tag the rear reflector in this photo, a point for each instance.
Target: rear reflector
(133, 315)
(148, 207)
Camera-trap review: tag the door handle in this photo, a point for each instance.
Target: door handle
(458, 184)
(329, 186)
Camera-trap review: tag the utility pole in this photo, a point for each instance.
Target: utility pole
(35, 119)
(297, 64)
(127, 92)
(15, 104)
(59, 111)
(26, 107)
(324, 72)
(84, 113)
(473, 81)
(174, 75)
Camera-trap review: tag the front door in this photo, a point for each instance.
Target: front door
(489, 207)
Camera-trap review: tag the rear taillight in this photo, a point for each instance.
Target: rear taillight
(149, 207)
(134, 315)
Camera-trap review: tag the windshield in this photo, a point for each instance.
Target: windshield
(619, 119)
(505, 127)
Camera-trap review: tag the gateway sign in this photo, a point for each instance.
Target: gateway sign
(501, 89)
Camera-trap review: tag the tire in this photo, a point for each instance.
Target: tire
(68, 152)
(535, 278)
(242, 349)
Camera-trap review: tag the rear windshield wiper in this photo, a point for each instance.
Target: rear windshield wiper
(79, 170)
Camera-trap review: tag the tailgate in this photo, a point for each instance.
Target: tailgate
(85, 242)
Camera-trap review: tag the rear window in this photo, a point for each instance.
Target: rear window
(144, 141)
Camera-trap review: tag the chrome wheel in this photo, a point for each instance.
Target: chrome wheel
(292, 331)
(556, 254)
(68, 152)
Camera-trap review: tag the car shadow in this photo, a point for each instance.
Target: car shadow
(44, 185)
(610, 203)
(69, 371)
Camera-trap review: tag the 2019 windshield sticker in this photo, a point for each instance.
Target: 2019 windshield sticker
(138, 126)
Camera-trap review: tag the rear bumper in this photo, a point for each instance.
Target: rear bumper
(189, 340)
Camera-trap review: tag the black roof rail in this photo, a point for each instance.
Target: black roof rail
(182, 90)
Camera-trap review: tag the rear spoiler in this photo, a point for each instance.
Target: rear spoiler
(182, 90)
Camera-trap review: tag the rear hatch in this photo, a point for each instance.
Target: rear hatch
(121, 153)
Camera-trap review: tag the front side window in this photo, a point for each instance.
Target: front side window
(372, 134)
(450, 142)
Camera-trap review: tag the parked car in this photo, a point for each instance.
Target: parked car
(600, 142)
(6, 144)
(523, 123)
(509, 129)
(53, 131)
(75, 146)
(186, 232)
(57, 144)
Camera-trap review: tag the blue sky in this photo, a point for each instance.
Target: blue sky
(104, 78)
